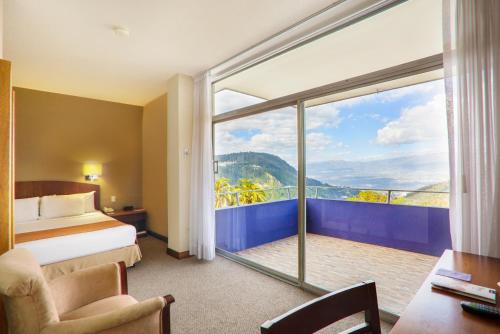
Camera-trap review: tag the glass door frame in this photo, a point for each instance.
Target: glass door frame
(239, 259)
(419, 66)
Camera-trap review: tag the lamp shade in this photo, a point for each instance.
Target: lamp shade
(92, 168)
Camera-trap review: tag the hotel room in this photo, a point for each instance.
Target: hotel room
(171, 166)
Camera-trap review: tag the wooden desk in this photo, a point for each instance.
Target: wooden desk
(434, 311)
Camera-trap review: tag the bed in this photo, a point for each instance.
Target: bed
(63, 244)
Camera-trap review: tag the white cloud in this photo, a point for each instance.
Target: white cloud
(275, 132)
(423, 126)
(416, 124)
(321, 147)
(378, 117)
(323, 116)
(318, 141)
(272, 132)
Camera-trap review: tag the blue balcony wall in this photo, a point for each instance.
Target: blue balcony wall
(248, 226)
(413, 228)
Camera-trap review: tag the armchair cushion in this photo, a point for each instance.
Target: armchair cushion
(100, 307)
(110, 321)
(85, 286)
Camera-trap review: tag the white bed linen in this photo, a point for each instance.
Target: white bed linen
(67, 247)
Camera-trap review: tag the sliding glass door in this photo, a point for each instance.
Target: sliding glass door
(331, 158)
(256, 187)
(377, 188)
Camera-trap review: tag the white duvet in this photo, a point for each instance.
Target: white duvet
(68, 247)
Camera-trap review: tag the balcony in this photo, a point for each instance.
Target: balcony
(347, 241)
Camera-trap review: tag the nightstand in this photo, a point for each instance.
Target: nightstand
(136, 217)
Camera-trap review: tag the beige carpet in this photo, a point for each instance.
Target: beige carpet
(335, 263)
(216, 297)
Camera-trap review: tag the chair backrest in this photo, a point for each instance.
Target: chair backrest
(328, 309)
(28, 302)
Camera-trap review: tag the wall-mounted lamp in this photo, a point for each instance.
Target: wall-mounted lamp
(92, 171)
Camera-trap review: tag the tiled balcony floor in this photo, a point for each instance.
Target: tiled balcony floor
(334, 263)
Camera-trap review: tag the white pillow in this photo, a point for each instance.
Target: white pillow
(61, 206)
(88, 200)
(26, 209)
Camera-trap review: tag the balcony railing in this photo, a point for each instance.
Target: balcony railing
(387, 196)
(411, 227)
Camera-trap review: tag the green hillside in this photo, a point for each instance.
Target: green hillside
(427, 199)
(247, 172)
(262, 167)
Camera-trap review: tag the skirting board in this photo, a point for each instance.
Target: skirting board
(171, 252)
(178, 255)
(158, 236)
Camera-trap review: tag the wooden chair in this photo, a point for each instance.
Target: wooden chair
(328, 309)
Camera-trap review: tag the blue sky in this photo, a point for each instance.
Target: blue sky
(400, 122)
(406, 121)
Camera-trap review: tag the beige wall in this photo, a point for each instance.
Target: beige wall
(167, 131)
(179, 132)
(1, 28)
(56, 134)
(154, 171)
(6, 161)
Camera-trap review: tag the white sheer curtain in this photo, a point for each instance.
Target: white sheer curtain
(472, 68)
(201, 206)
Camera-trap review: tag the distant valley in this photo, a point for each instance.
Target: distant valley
(405, 173)
(401, 173)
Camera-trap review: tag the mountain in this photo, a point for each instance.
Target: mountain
(344, 179)
(263, 167)
(405, 173)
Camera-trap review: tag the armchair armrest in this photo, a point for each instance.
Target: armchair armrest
(126, 316)
(88, 285)
(165, 314)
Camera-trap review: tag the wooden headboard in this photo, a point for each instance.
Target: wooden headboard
(25, 189)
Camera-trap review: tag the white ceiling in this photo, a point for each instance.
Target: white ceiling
(406, 32)
(68, 46)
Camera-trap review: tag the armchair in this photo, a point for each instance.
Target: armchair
(93, 300)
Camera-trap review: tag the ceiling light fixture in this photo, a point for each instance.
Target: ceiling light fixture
(121, 31)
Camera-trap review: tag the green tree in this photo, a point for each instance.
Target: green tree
(275, 189)
(250, 192)
(224, 193)
(369, 196)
